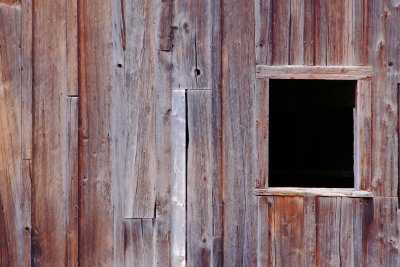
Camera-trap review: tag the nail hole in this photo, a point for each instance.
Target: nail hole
(119, 65)
(390, 64)
(197, 72)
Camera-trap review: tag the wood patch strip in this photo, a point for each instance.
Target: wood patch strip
(199, 179)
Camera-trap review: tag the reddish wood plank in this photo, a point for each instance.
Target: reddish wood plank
(238, 70)
(310, 231)
(96, 186)
(281, 32)
(297, 23)
(264, 31)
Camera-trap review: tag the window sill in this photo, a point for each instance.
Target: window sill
(322, 192)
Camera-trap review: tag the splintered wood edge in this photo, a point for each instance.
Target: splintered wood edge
(314, 72)
(323, 192)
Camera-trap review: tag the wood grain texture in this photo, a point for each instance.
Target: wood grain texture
(287, 231)
(50, 196)
(199, 179)
(72, 46)
(192, 44)
(178, 185)
(238, 83)
(26, 79)
(139, 108)
(14, 188)
(310, 231)
(383, 51)
(138, 245)
(95, 98)
(263, 243)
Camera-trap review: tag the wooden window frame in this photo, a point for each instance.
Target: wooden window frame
(362, 133)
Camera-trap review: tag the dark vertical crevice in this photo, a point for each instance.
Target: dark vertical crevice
(186, 170)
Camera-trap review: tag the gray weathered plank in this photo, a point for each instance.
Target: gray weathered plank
(72, 46)
(297, 32)
(310, 232)
(139, 109)
(178, 186)
(263, 243)
(199, 178)
(138, 242)
(281, 32)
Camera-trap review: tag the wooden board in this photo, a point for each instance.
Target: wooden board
(96, 220)
(199, 178)
(14, 207)
(138, 109)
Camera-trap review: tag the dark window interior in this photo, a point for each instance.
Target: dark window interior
(311, 133)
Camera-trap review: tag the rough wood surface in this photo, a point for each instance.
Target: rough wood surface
(13, 187)
(178, 185)
(199, 179)
(238, 82)
(138, 245)
(327, 192)
(95, 98)
(50, 196)
(139, 108)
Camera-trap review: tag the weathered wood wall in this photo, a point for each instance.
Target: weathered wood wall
(134, 133)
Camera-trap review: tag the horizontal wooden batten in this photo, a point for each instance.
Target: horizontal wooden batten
(323, 192)
(314, 72)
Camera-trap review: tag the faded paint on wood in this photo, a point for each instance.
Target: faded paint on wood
(199, 179)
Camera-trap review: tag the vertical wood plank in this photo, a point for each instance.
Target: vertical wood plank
(309, 31)
(359, 240)
(178, 187)
(346, 234)
(296, 54)
(72, 46)
(310, 233)
(50, 197)
(261, 115)
(199, 178)
(139, 109)
(287, 233)
(26, 79)
(192, 43)
(239, 181)
(360, 32)
(95, 99)
(363, 135)
(263, 31)
(281, 32)
(138, 245)
(166, 30)
(13, 212)
(328, 219)
(262, 233)
(26, 210)
(72, 180)
(383, 233)
(321, 32)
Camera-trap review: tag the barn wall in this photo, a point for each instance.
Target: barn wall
(134, 133)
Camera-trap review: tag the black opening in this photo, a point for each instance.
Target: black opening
(311, 133)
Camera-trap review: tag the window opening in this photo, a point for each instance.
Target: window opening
(311, 133)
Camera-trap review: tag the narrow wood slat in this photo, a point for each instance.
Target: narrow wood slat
(328, 219)
(14, 213)
(264, 31)
(237, 86)
(165, 25)
(138, 242)
(192, 43)
(321, 32)
(310, 231)
(314, 72)
(199, 179)
(287, 232)
(281, 32)
(296, 54)
(72, 46)
(178, 186)
(72, 182)
(139, 110)
(347, 232)
(263, 243)
(26, 79)
(299, 191)
(360, 32)
(363, 136)
(261, 131)
(309, 31)
(96, 208)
